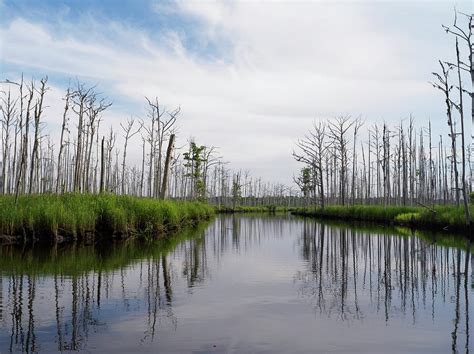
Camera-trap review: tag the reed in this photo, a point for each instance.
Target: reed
(79, 215)
(439, 217)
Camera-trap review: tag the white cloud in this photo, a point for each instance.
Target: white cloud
(286, 65)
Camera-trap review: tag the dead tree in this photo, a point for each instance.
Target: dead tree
(209, 159)
(79, 98)
(466, 36)
(8, 110)
(102, 166)
(357, 125)
(38, 110)
(169, 152)
(95, 107)
(463, 144)
(444, 86)
(108, 157)
(312, 152)
(128, 134)
(21, 177)
(338, 129)
(61, 141)
(155, 114)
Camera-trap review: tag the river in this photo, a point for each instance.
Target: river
(243, 284)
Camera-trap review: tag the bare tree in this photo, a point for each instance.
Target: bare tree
(466, 36)
(444, 86)
(169, 152)
(312, 151)
(61, 141)
(337, 130)
(8, 110)
(38, 110)
(128, 134)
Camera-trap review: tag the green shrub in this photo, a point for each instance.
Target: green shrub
(407, 217)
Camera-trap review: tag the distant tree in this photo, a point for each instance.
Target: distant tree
(194, 160)
(129, 133)
(312, 150)
(338, 129)
(236, 189)
(8, 119)
(444, 86)
(304, 182)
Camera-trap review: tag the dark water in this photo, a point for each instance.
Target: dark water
(243, 284)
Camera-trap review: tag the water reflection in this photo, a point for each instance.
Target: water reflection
(350, 272)
(76, 282)
(145, 294)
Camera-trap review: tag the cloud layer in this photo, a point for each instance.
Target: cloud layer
(250, 77)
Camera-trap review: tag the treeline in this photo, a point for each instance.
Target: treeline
(397, 164)
(92, 156)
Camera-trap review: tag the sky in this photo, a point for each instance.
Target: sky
(250, 77)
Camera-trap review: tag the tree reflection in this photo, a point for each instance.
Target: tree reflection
(57, 299)
(395, 275)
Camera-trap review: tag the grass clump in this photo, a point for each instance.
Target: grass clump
(77, 215)
(407, 217)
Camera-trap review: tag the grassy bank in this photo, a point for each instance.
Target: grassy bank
(441, 217)
(74, 216)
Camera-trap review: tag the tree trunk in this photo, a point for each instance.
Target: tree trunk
(169, 151)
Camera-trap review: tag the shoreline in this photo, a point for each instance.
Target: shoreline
(442, 218)
(89, 217)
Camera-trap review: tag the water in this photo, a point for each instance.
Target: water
(243, 284)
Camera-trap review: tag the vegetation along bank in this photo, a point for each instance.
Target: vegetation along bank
(74, 216)
(448, 218)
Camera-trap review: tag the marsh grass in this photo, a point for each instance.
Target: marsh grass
(441, 217)
(76, 215)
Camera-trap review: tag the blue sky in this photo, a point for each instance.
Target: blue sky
(250, 76)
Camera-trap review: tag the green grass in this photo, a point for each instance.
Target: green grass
(77, 215)
(443, 217)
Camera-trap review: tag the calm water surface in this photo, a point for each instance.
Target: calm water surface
(243, 284)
